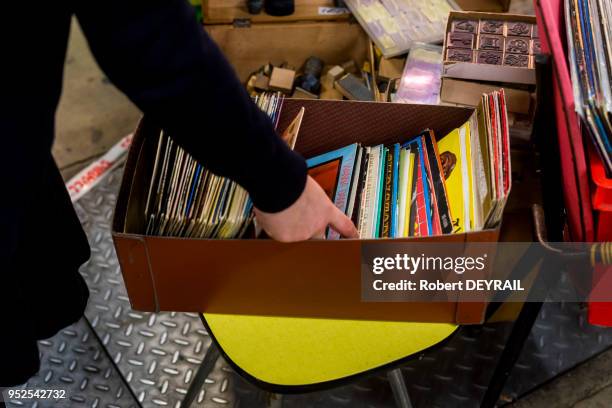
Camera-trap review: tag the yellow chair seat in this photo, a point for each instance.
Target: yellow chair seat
(293, 352)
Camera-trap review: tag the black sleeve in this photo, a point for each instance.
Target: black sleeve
(156, 52)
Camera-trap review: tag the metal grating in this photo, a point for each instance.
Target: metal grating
(560, 339)
(156, 353)
(73, 360)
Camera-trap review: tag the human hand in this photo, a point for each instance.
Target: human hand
(307, 218)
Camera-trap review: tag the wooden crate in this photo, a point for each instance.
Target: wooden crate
(249, 48)
(484, 5)
(227, 11)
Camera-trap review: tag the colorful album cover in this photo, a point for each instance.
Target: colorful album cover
(437, 180)
(380, 192)
(385, 226)
(358, 168)
(368, 195)
(424, 205)
(405, 227)
(394, 191)
(432, 211)
(362, 175)
(402, 193)
(422, 221)
(455, 158)
(334, 171)
(505, 142)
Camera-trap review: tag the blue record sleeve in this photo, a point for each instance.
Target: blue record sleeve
(381, 187)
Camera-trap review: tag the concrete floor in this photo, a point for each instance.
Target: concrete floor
(93, 115)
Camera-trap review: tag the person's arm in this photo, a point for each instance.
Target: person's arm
(156, 52)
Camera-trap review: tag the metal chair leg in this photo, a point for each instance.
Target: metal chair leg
(512, 351)
(211, 357)
(398, 386)
(275, 400)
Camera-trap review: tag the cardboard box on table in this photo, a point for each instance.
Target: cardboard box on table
(463, 83)
(469, 93)
(486, 72)
(251, 41)
(265, 277)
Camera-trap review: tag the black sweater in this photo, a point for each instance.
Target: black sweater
(155, 52)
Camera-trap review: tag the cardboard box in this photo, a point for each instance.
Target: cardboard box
(251, 43)
(469, 93)
(486, 72)
(265, 277)
(282, 79)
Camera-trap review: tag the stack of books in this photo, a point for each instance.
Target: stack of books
(424, 186)
(187, 200)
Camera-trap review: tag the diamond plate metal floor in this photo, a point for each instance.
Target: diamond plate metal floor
(158, 354)
(75, 361)
(560, 339)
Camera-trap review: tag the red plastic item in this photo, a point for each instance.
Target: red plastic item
(600, 313)
(602, 186)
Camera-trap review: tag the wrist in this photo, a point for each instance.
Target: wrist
(278, 181)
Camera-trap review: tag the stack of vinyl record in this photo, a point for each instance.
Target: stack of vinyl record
(187, 200)
(589, 38)
(421, 187)
(424, 186)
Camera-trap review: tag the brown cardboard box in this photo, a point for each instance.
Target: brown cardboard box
(282, 79)
(391, 68)
(469, 93)
(485, 72)
(265, 277)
